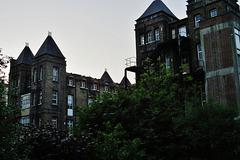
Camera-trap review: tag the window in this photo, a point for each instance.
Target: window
(237, 40)
(34, 75)
(199, 51)
(41, 74)
(106, 88)
(70, 105)
(34, 99)
(55, 74)
(167, 62)
(70, 100)
(149, 35)
(95, 86)
(39, 121)
(197, 20)
(173, 34)
(70, 82)
(213, 13)
(25, 101)
(83, 84)
(182, 31)
(25, 121)
(40, 98)
(55, 121)
(55, 98)
(157, 38)
(90, 100)
(142, 40)
(70, 127)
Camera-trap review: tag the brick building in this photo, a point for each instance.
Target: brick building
(206, 43)
(47, 93)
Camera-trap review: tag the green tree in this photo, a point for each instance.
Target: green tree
(8, 120)
(162, 117)
(212, 131)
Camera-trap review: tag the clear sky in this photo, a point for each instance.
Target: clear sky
(93, 35)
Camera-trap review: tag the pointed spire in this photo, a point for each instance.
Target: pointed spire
(155, 7)
(106, 77)
(49, 47)
(25, 57)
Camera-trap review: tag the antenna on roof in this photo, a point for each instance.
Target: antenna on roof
(26, 44)
(105, 69)
(49, 33)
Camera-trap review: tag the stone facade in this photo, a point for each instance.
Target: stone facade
(47, 93)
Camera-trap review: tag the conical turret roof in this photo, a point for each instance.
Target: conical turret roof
(49, 47)
(155, 7)
(25, 57)
(106, 78)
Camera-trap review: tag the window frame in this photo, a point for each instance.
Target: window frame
(41, 73)
(237, 40)
(142, 39)
(197, 19)
(157, 34)
(182, 31)
(95, 86)
(25, 101)
(213, 12)
(173, 33)
(168, 62)
(54, 97)
(40, 98)
(55, 74)
(83, 83)
(149, 37)
(199, 52)
(70, 98)
(55, 121)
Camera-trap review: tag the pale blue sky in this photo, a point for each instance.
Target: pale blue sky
(92, 34)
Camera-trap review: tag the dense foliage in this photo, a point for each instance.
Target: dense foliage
(162, 117)
(8, 120)
(47, 142)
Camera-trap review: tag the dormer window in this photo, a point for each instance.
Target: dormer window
(106, 88)
(71, 82)
(83, 84)
(95, 86)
